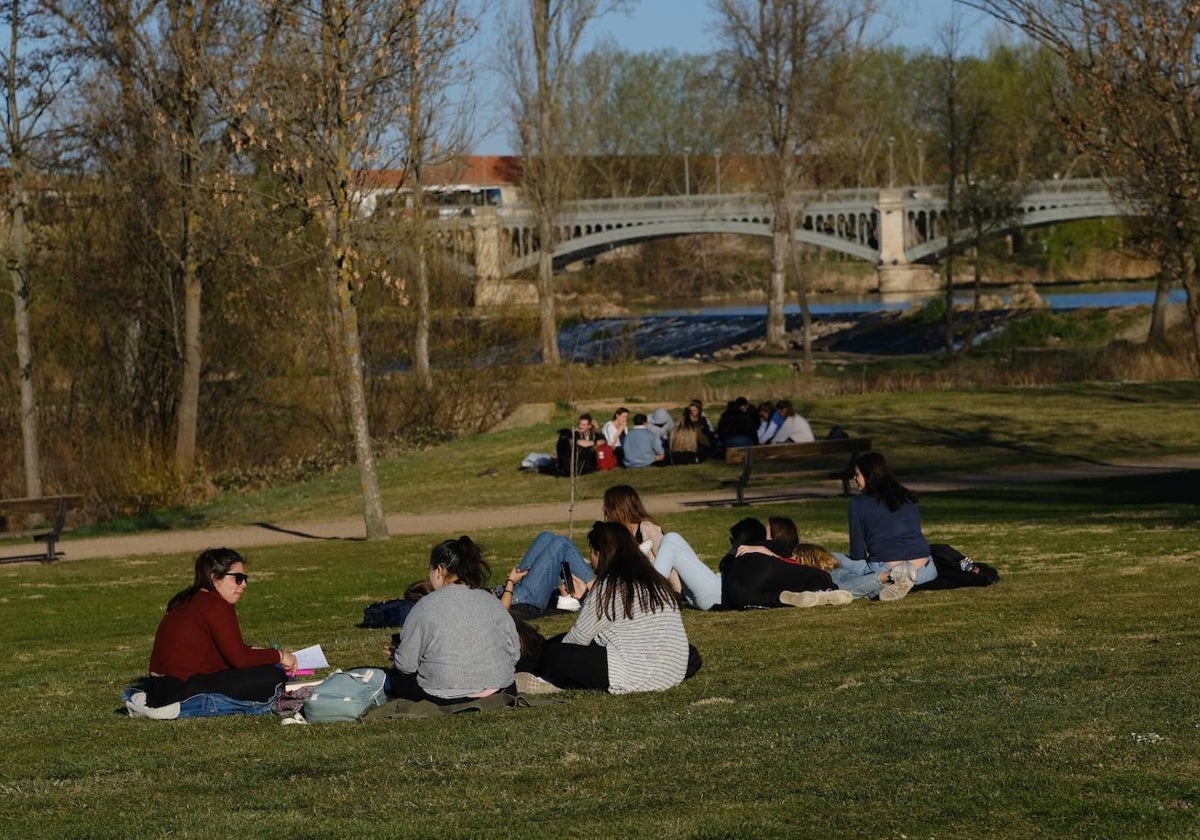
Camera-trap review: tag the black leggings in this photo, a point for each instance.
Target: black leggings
(404, 686)
(256, 685)
(576, 666)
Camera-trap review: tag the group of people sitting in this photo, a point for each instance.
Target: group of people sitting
(657, 439)
(462, 640)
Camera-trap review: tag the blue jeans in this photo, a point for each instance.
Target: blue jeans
(544, 559)
(701, 585)
(861, 577)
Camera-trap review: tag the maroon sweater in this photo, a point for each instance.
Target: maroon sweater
(203, 637)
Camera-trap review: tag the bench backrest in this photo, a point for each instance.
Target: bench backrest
(785, 451)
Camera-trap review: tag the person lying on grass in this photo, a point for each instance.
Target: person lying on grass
(629, 634)
(198, 647)
(766, 568)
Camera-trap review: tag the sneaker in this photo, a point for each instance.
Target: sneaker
(567, 604)
(528, 683)
(902, 579)
(829, 598)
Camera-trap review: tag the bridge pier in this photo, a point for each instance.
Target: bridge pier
(491, 289)
(896, 275)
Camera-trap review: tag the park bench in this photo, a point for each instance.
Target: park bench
(14, 512)
(813, 451)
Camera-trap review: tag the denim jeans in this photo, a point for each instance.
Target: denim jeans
(544, 559)
(861, 577)
(701, 585)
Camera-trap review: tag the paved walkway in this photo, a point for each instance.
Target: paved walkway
(556, 515)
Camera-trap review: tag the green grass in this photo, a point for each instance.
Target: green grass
(1059, 703)
(920, 432)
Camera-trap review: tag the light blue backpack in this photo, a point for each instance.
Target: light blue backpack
(346, 695)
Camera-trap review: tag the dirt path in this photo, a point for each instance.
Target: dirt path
(557, 516)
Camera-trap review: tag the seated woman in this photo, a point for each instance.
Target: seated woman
(198, 648)
(793, 428)
(670, 553)
(888, 553)
(688, 444)
(533, 586)
(458, 643)
(629, 635)
(761, 569)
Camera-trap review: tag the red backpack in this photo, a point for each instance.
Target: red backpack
(606, 459)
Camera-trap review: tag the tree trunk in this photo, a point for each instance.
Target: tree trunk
(421, 340)
(549, 325)
(1158, 312)
(189, 392)
(776, 328)
(1192, 296)
(343, 291)
(16, 253)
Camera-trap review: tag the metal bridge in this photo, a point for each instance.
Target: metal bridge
(893, 229)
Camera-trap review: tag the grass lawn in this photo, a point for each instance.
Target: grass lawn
(919, 431)
(1059, 703)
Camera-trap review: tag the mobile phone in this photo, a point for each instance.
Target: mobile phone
(565, 575)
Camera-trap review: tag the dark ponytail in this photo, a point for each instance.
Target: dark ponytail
(461, 558)
(210, 564)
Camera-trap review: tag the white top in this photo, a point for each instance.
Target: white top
(794, 429)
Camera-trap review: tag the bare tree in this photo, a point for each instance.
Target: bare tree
(165, 56)
(1132, 70)
(543, 43)
(321, 111)
(34, 76)
(788, 59)
(436, 131)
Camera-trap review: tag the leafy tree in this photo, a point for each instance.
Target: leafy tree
(1132, 68)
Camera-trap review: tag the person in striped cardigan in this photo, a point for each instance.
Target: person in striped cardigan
(629, 634)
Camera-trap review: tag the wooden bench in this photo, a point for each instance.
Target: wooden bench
(54, 508)
(748, 456)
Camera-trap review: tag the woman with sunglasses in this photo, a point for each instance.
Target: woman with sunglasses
(198, 648)
(629, 634)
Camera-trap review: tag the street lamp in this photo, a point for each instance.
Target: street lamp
(687, 173)
(891, 141)
(717, 155)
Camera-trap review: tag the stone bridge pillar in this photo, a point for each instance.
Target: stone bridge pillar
(491, 289)
(897, 276)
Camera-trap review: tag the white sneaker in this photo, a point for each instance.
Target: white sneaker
(647, 547)
(568, 604)
(828, 598)
(903, 577)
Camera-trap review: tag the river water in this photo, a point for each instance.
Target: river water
(706, 331)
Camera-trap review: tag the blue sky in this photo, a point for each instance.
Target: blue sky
(685, 25)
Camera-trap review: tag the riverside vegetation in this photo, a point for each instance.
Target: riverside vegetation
(1055, 703)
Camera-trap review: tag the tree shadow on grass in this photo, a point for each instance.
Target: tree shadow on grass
(1173, 494)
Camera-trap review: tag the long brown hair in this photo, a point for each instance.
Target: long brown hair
(784, 534)
(622, 504)
(624, 575)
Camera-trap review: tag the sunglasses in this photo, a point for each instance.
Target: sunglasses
(238, 577)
